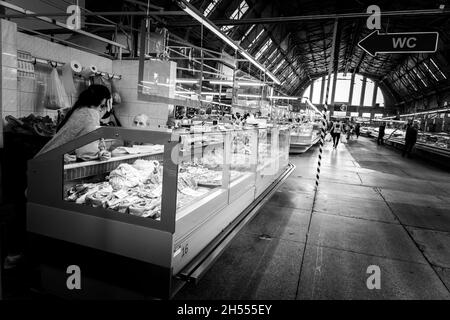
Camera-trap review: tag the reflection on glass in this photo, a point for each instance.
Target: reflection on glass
(200, 168)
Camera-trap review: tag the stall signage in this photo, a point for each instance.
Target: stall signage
(339, 113)
(406, 42)
(366, 115)
(354, 114)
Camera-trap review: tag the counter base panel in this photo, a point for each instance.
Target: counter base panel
(103, 275)
(208, 230)
(129, 240)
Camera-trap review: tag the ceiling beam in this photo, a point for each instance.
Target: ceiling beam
(316, 17)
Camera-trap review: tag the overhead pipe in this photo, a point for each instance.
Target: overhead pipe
(103, 13)
(293, 19)
(59, 24)
(60, 64)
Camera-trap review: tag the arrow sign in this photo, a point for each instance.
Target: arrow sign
(407, 42)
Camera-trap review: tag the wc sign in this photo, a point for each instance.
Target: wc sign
(405, 42)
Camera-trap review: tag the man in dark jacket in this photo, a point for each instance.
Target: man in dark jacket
(357, 130)
(381, 134)
(410, 139)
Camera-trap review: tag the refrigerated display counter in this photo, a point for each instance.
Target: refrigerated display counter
(432, 146)
(304, 136)
(155, 215)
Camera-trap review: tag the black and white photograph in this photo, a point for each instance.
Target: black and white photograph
(224, 158)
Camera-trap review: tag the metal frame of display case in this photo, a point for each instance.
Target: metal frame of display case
(153, 255)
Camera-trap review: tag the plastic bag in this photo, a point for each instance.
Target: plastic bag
(328, 137)
(343, 138)
(56, 97)
(114, 93)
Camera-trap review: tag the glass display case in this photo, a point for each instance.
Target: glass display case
(432, 142)
(304, 135)
(155, 197)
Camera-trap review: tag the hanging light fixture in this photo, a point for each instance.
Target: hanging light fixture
(189, 9)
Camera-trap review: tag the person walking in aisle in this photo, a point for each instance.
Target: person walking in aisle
(410, 139)
(381, 130)
(357, 130)
(337, 129)
(349, 130)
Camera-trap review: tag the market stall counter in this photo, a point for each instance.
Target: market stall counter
(152, 217)
(431, 146)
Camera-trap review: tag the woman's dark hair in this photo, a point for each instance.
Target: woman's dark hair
(92, 96)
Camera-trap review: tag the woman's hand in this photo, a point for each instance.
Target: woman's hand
(104, 155)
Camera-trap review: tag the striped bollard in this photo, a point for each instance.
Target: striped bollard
(322, 140)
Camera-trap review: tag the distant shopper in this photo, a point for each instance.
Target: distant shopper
(381, 131)
(337, 130)
(349, 130)
(410, 139)
(357, 130)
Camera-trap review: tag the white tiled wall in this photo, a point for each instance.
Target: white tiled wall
(9, 69)
(21, 96)
(42, 48)
(29, 92)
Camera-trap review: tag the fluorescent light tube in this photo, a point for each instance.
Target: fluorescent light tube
(186, 81)
(198, 16)
(207, 24)
(283, 98)
(249, 95)
(240, 83)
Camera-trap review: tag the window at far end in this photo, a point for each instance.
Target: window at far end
(380, 98)
(212, 5)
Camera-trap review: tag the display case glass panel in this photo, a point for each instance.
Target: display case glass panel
(201, 170)
(243, 159)
(120, 176)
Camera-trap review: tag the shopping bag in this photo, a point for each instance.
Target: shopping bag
(328, 137)
(56, 96)
(343, 138)
(114, 93)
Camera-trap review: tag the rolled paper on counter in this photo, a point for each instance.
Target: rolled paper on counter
(76, 66)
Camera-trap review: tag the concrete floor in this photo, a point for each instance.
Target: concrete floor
(372, 207)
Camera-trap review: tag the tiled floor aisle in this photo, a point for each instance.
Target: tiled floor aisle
(373, 207)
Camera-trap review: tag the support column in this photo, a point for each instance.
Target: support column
(352, 85)
(363, 93)
(322, 90)
(375, 90)
(333, 93)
